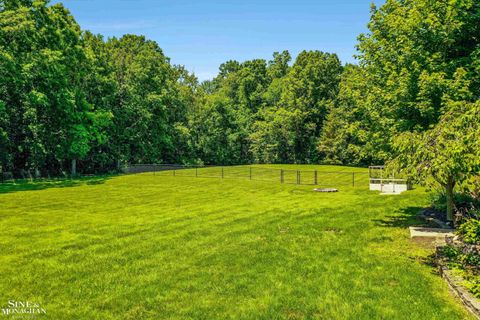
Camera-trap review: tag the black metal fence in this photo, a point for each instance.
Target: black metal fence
(287, 176)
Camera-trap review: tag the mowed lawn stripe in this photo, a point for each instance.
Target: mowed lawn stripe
(165, 247)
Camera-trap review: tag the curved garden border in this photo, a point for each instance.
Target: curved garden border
(455, 283)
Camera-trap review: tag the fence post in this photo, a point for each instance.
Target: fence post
(281, 175)
(353, 179)
(298, 177)
(222, 172)
(250, 173)
(174, 171)
(196, 172)
(316, 178)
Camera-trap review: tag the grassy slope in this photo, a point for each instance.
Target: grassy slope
(143, 246)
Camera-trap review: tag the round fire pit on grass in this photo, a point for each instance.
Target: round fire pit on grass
(325, 190)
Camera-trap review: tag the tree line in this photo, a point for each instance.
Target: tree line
(70, 98)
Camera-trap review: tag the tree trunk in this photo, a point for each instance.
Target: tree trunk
(450, 203)
(74, 167)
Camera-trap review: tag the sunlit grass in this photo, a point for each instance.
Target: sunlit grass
(179, 247)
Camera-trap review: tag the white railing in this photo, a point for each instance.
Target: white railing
(389, 185)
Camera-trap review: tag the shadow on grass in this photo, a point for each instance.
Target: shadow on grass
(405, 217)
(428, 261)
(41, 184)
(408, 217)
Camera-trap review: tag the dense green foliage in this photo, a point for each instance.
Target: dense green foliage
(44, 109)
(419, 57)
(67, 95)
(449, 152)
(269, 112)
(470, 231)
(172, 247)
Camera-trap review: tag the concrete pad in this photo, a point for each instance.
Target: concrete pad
(422, 232)
(325, 190)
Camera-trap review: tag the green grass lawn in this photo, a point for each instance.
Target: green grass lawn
(180, 247)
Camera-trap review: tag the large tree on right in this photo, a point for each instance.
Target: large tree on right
(415, 59)
(449, 152)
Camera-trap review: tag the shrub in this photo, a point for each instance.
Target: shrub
(466, 205)
(475, 288)
(451, 252)
(469, 231)
(472, 186)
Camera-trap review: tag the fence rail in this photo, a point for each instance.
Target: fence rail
(286, 176)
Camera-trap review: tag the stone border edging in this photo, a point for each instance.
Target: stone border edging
(455, 284)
